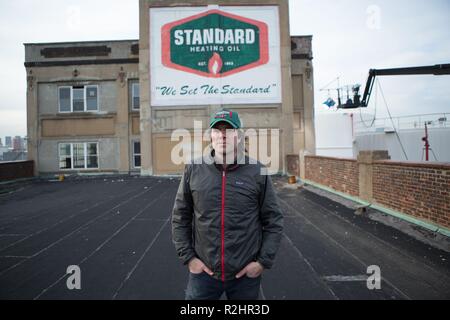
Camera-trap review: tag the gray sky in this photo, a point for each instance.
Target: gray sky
(349, 38)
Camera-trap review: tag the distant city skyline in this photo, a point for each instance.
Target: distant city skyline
(5, 142)
(16, 150)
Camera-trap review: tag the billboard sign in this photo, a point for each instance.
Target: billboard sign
(204, 55)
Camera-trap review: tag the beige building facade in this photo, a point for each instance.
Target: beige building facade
(90, 109)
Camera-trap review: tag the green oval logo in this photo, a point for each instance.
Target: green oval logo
(215, 44)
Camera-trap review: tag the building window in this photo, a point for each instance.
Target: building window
(137, 154)
(135, 96)
(65, 156)
(82, 155)
(92, 155)
(78, 98)
(78, 156)
(91, 98)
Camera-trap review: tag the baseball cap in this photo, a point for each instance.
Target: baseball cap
(228, 116)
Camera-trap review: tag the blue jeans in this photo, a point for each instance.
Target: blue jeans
(204, 287)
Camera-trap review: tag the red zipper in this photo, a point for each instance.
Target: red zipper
(224, 179)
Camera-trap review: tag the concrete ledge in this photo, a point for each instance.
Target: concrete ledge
(331, 158)
(16, 170)
(8, 182)
(427, 165)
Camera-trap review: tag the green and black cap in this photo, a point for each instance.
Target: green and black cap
(228, 116)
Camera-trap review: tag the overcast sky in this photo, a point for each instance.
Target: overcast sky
(349, 38)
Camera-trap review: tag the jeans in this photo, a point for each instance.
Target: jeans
(204, 287)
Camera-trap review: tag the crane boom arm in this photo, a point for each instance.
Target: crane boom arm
(438, 69)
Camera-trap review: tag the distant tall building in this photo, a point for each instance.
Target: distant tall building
(25, 143)
(1, 144)
(17, 143)
(8, 142)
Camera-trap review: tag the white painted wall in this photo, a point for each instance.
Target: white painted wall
(337, 136)
(334, 135)
(439, 139)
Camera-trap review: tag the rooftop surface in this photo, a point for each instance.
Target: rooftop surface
(117, 230)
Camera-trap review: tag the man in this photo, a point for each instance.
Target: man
(226, 221)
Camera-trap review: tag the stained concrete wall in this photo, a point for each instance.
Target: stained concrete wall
(412, 143)
(112, 74)
(303, 97)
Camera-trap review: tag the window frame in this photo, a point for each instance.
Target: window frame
(86, 155)
(70, 155)
(59, 99)
(84, 98)
(85, 146)
(133, 107)
(134, 154)
(98, 97)
(85, 87)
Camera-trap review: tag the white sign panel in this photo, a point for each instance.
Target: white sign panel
(214, 55)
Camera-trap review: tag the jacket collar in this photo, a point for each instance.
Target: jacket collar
(219, 167)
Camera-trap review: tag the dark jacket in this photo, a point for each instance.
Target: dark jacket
(227, 219)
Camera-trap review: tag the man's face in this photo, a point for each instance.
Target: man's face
(224, 138)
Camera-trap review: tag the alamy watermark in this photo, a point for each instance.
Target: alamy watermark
(74, 279)
(260, 145)
(373, 21)
(73, 15)
(374, 279)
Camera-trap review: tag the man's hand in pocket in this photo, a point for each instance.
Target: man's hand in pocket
(197, 266)
(252, 270)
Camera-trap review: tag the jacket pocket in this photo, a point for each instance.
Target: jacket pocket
(243, 193)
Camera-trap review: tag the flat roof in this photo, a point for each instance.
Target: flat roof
(117, 229)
